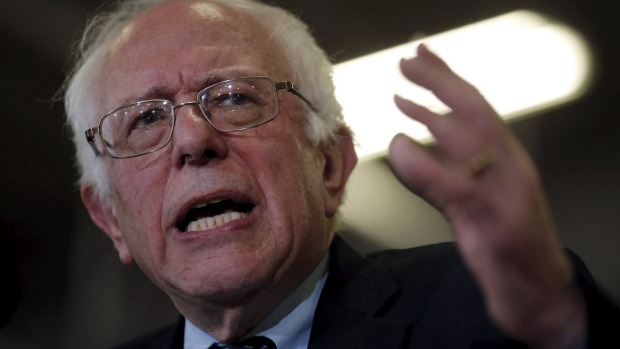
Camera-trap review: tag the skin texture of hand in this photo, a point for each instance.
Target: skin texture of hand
(499, 215)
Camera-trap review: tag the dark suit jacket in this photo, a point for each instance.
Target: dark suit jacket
(416, 298)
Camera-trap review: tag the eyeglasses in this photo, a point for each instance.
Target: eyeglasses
(229, 106)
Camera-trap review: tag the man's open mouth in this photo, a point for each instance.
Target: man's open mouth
(213, 214)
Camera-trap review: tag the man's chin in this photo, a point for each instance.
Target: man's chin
(223, 286)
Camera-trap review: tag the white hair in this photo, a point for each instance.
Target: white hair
(310, 66)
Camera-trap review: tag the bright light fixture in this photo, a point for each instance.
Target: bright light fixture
(521, 62)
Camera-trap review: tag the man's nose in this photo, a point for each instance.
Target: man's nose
(195, 141)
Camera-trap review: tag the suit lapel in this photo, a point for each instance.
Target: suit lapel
(175, 339)
(349, 311)
(344, 329)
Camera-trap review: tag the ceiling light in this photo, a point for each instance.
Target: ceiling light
(521, 62)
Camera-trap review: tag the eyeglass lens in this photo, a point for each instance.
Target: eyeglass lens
(229, 106)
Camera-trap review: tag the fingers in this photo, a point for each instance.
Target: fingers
(416, 111)
(474, 154)
(471, 128)
(455, 135)
(414, 166)
(442, 176)
(429, 71)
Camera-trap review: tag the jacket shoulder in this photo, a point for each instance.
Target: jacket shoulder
(434, 260)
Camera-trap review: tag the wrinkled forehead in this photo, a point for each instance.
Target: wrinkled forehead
(168, 22)
(163, 22)
(190, 38)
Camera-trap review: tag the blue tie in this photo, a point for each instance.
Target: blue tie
(257, 342)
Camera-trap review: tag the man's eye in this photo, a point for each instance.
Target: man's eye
(234, 100)
(148, 119)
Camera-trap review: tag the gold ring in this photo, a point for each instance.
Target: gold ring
(480, 162)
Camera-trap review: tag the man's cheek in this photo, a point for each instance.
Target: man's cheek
(138, 186)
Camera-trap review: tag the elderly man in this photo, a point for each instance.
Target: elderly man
(216, 158)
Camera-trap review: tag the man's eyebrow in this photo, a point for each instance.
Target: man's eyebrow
(154, 91)
(210, 80)
(160, 90)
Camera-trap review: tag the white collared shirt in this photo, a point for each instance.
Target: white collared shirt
(288, 325)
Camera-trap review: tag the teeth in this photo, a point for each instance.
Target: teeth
(193, 226)
(212, 222)
(208, 203)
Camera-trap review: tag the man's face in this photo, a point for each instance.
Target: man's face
(271, 176)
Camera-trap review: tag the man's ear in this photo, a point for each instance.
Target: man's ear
(102, 212)
(340, 159)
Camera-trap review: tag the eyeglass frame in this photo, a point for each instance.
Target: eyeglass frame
(282, 85)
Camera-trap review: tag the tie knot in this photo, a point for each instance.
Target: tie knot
(257, 342)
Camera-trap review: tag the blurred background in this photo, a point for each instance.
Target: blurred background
(63, 284)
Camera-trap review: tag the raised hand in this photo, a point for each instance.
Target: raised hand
(483, 181)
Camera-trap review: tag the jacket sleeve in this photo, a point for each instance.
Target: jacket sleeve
(603, 312)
